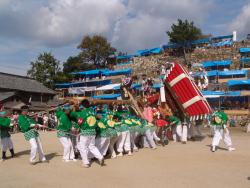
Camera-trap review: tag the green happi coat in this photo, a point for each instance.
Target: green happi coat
(137, 125)
(89, 124)
(64, 124)
(4, 127)
(121, 126)
(219, 120)
(111, 128)
(26, 124)
(131, 124)
(102, 128)
(175, 120)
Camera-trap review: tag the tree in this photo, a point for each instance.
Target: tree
(96, 50)
(183, 33)
(44, 69)
(75, 64)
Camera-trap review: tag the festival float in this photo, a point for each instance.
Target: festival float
(183, 95)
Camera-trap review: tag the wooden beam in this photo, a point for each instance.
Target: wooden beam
(133, 101)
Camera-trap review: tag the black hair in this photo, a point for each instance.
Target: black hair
(85, 103)
(110, 107)
(117, 117)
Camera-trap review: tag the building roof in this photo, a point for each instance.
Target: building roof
(6, 95)
(22, 83)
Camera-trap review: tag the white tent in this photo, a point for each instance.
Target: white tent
(81, 90)
(108, 87)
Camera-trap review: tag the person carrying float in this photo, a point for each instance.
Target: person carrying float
(87, 125)
(102, 140)
(28, 127)
(123, 142)
(6, 142)
(64, 128)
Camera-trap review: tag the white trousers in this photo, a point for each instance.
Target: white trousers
(112, 145)
(6, 144)
(133, 137)
(86, 146)
(36, 147)
(248, 127)
(123, 142)
(148, 139)
(180, 133)
(68, 150)
(221, 134)
(102, 145)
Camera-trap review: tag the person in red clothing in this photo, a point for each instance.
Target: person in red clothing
(160, 123)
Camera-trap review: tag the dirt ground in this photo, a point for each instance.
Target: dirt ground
(176, 165)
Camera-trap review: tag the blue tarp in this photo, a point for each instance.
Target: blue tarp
(222, 37)
(212, 73)
(217, 63)
(90, 73)
(245, 60)
(208, 92)
(238, 82)
(138, 86)
(222, 43)
(149, 51)
(222, 93)
(118, 72)
(232, 94)
(84, 84)
(244, 50)
(232, 73)
(106, 72)
(156, 50)
(222, 74)
(107, 96)
(157, 86)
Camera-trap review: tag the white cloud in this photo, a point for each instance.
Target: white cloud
(129, 24)
(241, 23)
(147, 21)
(60, 22)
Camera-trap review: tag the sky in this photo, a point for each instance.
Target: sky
(30, 27)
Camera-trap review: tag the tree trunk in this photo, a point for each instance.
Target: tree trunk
(184, 55)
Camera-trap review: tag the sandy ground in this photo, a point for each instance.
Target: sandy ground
(176, 165)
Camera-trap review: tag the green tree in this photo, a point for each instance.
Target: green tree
(183, 33)
(75, 64)
(96, 50)
(44, 69)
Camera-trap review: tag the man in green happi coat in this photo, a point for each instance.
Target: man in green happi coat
(123, 143)
(87, 125)
(28, 127)
(219, 123)
(63, 132)
(6, 141)
(102, 140)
